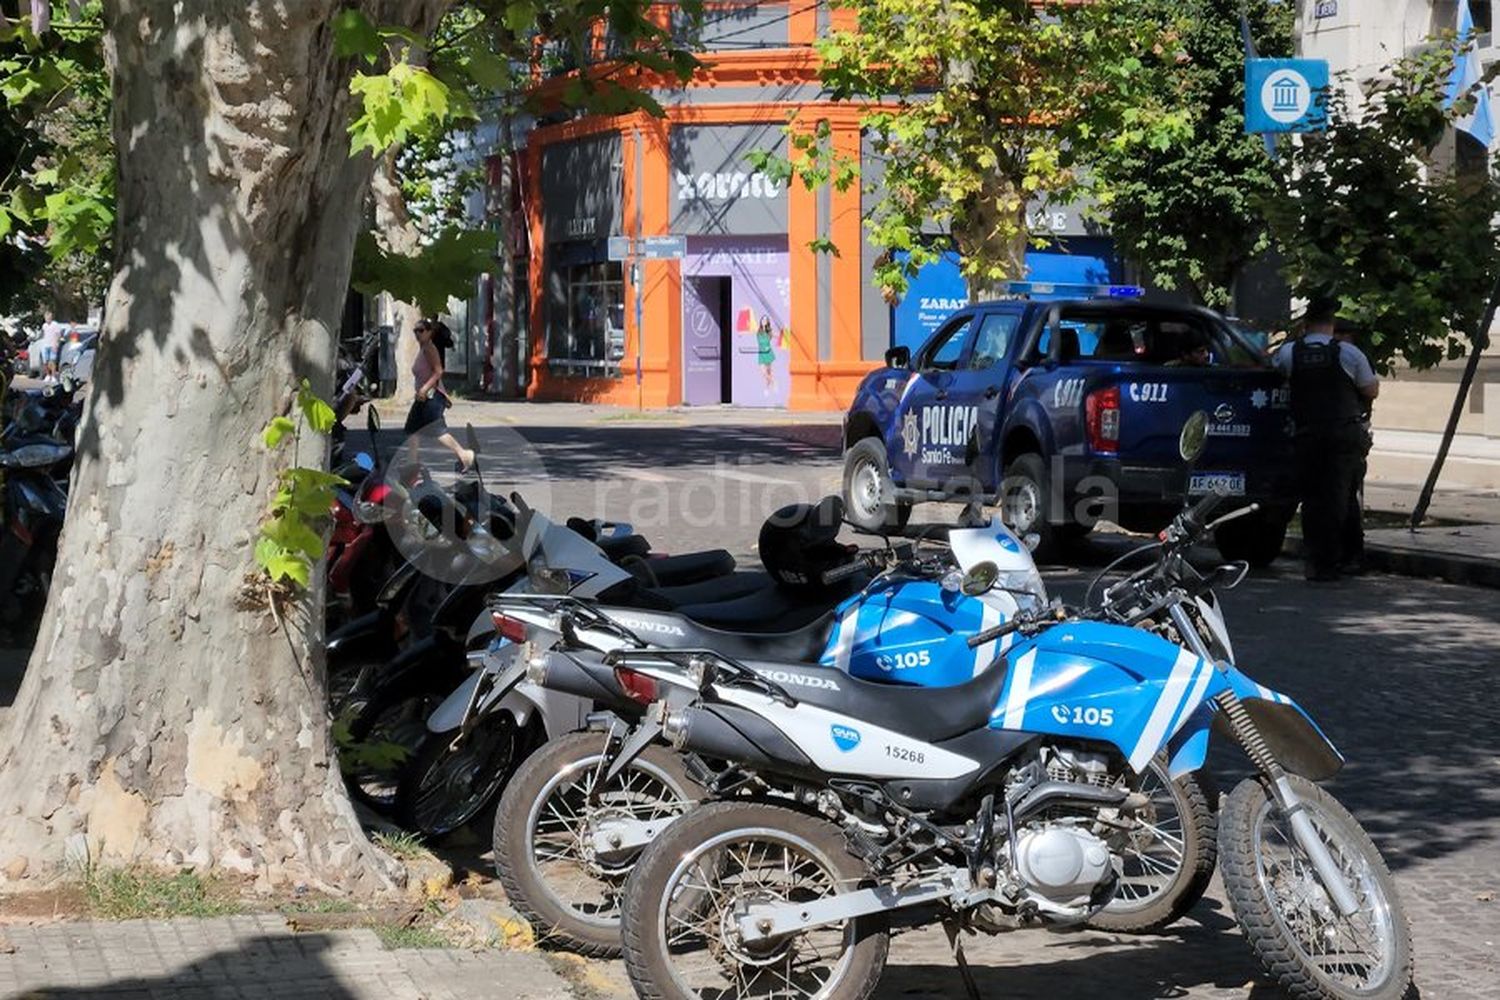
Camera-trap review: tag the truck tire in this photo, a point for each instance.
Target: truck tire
(1255, 538)
(1024, 494)
(869, 494)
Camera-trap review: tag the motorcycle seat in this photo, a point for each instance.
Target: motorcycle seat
(773, 609)
(617, 548)
(729, 587)
(679, 570)
(926, 714)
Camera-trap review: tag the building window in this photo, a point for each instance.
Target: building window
(588, 333)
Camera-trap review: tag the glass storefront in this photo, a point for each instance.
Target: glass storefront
(587, 335)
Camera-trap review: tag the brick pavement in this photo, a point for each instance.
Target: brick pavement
(253, 958)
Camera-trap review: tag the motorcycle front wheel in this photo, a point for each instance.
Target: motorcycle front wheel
(679, 923)
(1302, 940)
(545, 836)
(1167, 849)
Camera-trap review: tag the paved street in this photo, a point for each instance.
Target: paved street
(1400, 672)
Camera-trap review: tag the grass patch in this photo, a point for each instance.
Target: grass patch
(323, 905)
(404, 846)
(647, 416)
(140, 893)
(411, 936)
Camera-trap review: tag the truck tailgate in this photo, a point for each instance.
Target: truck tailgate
(1249, 420)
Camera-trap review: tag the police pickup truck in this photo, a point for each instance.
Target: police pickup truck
(1068, 412)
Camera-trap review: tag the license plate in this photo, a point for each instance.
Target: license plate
(1231, 483)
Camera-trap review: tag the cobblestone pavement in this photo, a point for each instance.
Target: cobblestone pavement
(253, 958)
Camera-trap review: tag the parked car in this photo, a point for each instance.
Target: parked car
(1067, 411)
(76, 356)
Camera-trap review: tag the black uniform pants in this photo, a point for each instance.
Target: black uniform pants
(1329, 463)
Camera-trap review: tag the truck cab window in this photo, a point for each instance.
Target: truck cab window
(992, 344)
(945, 350)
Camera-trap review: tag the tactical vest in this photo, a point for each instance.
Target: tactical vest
(1323, 394)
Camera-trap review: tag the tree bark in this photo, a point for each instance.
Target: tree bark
(399, 235)
(994, 230)
(164, 718)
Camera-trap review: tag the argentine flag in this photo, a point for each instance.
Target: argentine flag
(1466, 72)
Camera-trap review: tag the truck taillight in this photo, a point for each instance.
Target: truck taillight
(1102, 417)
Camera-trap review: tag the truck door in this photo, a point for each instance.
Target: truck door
(925, 440)
(980, 382)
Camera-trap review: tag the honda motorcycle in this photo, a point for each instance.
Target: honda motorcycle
(979, 807)
(577, 813)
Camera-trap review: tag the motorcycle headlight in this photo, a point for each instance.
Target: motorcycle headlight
(546, 580)
(35, 456)
(369, 512)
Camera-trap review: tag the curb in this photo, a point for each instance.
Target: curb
(1447, 566)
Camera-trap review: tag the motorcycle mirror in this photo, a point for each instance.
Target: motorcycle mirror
(471, 439)
(1229, 575)
(979, 578)
(1194, 437)
(365, 462)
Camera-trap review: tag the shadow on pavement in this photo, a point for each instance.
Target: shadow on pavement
(262, 967)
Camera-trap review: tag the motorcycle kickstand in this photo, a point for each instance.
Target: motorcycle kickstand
(955, 942)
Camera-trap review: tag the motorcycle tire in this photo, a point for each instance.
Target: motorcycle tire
(1195, 799)
(1252, 875)
(381, 736)
(443, 789)
(571, 764)
(656, 896)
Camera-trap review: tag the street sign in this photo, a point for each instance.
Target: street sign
(663, 247)
(1285, 95)
(619, 248)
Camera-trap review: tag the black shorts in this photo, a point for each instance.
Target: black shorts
(426, 416)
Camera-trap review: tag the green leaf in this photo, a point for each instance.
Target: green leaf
(446, 266)
(520, 16)
(278, 428)
(5, 223)
(320, 416)
(281, 564)
(292, 533)
(354, 35)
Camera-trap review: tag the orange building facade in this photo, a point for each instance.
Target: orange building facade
(749, 314)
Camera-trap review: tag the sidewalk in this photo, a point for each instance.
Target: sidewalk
(1460, 542)
(253, 958)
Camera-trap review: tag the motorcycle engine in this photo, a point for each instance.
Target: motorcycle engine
(1064, 864)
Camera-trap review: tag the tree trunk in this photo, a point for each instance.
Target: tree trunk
(508, 339)
(399, 235)
(166, 716)
(994, 234)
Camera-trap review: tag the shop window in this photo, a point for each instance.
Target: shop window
(587, 334)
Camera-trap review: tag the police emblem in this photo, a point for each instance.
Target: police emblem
(911, 435)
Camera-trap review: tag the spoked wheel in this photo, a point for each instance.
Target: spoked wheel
(445, 787)
(680, 926)
(1311, 949)
(553, 845)
(378, 740)
(1168, 849)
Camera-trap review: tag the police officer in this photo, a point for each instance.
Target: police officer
(1332, 385)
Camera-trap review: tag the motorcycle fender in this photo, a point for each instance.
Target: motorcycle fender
(366, 633)
(450, 714)
(559, 713)
(1295, 740)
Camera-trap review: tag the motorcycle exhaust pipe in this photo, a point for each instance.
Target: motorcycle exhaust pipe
(730, 733)
(584, 677)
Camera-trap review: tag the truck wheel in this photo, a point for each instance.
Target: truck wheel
(1023, 503)
(869, 495)
(1256, 538)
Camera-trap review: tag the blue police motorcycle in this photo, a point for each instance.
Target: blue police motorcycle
(577, 812)
(941, 806)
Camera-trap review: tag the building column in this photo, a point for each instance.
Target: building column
(533, 348)
(802, 266)
(661, 383)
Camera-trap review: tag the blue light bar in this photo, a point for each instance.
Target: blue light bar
(1078, 290)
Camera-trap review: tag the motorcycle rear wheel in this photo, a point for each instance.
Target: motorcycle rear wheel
(682, 896)
(444, 788)
(569, 894)
(1285, 912)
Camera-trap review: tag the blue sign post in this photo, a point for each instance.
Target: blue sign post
(1285, 95)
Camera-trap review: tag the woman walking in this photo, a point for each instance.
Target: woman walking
(425, 419)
